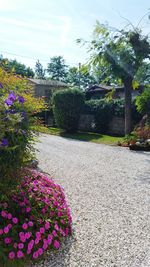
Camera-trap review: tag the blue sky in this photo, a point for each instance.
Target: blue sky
(40, 29)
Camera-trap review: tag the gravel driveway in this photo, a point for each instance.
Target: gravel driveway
(108, 189)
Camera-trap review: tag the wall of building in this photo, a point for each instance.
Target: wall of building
(44, 90)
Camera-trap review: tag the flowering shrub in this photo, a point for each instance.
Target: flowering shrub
(34, 215)
(17, 107)
(35, 218)
(143, 132)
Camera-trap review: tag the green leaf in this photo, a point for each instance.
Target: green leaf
(135, 84)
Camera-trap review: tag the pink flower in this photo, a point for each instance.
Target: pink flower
(28, 209)
(9, 225)
(24, 226)
(21, 234)
(28, 235)
(30, 245)
(43, 211)
(54, 233)
(56, 227)
(9, 216)
(47, 225)
(59, 213)
(37, 241)
(40, 251)
(42, 230)
(35, 255)
(20, 245)
(38, 235)
(23, 239)
(15, 220)
(66, 231)
(56, 244)
(30, 223)
(1, 231)
(3, 214)
(6, 230)
(11, 255)
(45, 246)
(7, 240)
(15, 245)
(50, 238)
(28, 251)
(20, 254)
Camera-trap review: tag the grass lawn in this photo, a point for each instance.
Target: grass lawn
(89, 137)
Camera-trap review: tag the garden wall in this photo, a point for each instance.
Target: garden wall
(116, 125)
(86, 122)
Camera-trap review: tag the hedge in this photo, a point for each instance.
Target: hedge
(67, 106)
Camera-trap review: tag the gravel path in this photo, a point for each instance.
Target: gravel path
(108, 189)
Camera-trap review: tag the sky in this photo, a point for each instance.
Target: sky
(41, 29)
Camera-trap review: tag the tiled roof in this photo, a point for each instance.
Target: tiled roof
(48, 82)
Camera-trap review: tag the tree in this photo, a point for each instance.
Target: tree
(143, 102)
(143, 74)
(124, 52)
(57, 68)
(80, 77)
(39, 70)
(16, 67)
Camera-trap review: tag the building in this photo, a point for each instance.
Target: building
(100, 91)
(46, 87)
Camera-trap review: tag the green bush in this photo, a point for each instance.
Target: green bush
(17, 107)
(67, 106)
(143, 102)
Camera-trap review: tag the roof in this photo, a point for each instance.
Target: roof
(104, 88)
(48, 83)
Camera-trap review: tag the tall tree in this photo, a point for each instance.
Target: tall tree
(16, 67)
(124, 51)
(80, 77)
(57, 69)
(143, 74)
(39, 70)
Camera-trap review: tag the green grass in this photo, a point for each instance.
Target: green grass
(89, 137)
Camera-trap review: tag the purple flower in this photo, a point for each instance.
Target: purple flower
(23, 114)
(21, 99)
(8, 102)
(12, 96)
(12, 111)
(1, 86)
(4, 142)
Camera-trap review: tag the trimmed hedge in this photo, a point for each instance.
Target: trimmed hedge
(67, 106)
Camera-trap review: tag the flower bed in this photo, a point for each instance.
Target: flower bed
(35, 219)
(34, 215)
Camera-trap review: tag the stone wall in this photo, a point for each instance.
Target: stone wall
(116, 125)
(86, 122)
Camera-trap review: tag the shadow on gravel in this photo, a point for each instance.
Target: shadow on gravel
(140, 152)
(145, 178)
(60, 258)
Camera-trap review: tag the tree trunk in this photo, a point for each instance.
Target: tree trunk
(128, 105)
